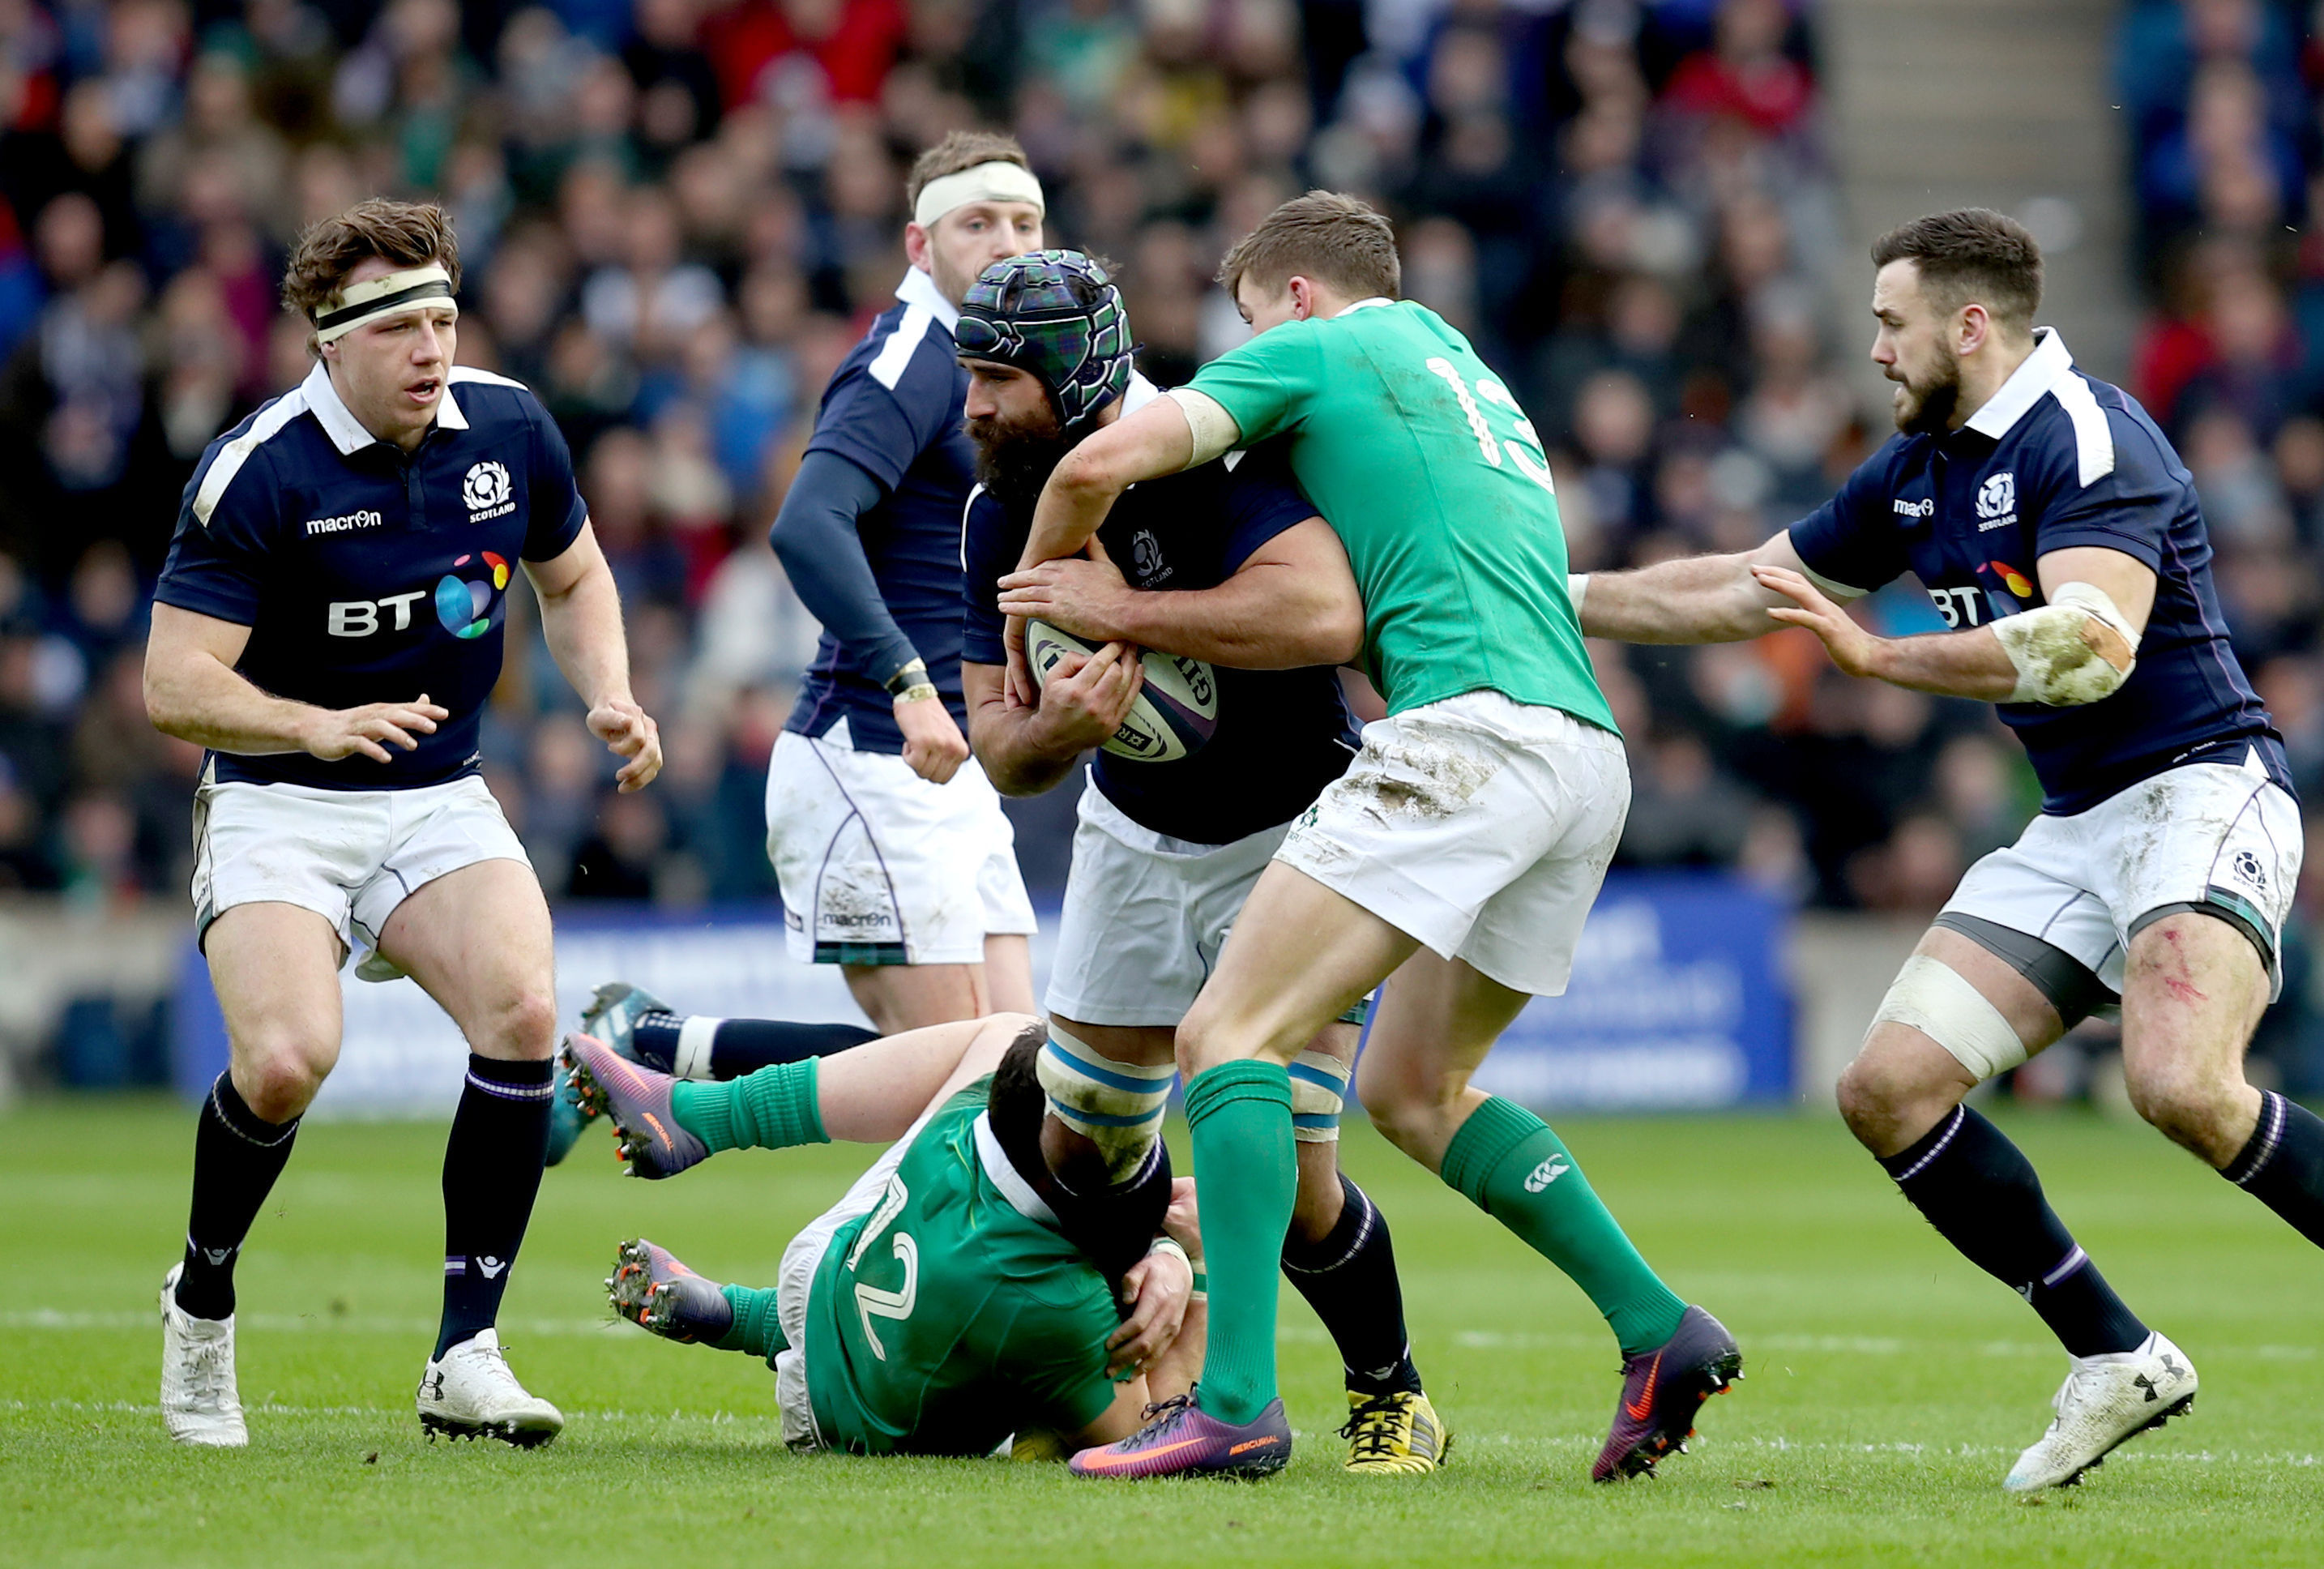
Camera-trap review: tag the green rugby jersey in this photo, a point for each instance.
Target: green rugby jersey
(1420, 459)
(947, 1318)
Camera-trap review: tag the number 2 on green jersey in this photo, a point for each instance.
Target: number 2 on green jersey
(1533, 465)
(876, 1301)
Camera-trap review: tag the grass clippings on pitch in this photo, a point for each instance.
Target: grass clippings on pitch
(1890, 1384)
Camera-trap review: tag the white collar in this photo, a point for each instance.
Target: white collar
(1376, 299)
(1005, 1176)
(347, 433)
(2040, 371)
(919, 288)
(1139, 393)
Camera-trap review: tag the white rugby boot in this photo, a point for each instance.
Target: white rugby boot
(2105, 1400)
(198, 1401)
(471, 1393)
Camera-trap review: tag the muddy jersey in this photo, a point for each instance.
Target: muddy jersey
(2057, 459)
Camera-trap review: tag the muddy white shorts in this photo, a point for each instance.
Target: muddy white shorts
(351, 857)
(878, 866)
(1479, 826)
(2207, 836)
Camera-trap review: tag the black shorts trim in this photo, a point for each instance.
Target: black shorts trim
(2072, 988)
(2227, 905)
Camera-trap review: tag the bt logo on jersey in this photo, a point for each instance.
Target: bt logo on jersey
(467, 608)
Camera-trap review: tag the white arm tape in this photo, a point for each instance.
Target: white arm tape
(1214, 430)
(1577, 584)
(2075, 650)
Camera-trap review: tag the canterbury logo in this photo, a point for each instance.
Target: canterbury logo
(1547, 1172)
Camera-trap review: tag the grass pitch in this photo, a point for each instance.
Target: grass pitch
(1890, 1383)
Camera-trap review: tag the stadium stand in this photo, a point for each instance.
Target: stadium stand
(676, 216)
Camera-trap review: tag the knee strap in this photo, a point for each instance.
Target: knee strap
(1117, 1106)
(1319, 1090)
(1934, 998)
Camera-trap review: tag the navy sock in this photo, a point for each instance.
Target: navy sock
(492, 1172)
(2282, 1167)
(1981, 1193)
(740, 1048)
(237, 1156)
(1350, 1279)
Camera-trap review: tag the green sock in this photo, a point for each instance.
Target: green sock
(772, 1108)
(756, 1329)
(1245, 1174)
(1508, 1164)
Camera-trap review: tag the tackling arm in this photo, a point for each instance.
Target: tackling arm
(1155, 442)
(1291, 604)
(1693, 599)
(581, 618)
(2077, 649)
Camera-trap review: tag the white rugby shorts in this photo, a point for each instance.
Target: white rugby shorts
(878, 866)
(1478, 825)
(1145, 916)
(2208, 835)
(351, 857)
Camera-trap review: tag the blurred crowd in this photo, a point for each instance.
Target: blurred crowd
(677, 215)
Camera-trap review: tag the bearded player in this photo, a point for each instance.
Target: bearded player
(2061, 538)
(1225, 563)
(1461, 852)
(330, 624)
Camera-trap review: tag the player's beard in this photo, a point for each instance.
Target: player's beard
(1926, 407)
(1014, 460)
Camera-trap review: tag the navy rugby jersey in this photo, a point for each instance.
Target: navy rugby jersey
(2057, 459)
(366, 576)
(1282, 735)
(894, 409)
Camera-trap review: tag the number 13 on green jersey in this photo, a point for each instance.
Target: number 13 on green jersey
(1437, 484)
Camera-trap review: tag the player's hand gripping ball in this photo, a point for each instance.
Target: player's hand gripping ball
(1174, 713)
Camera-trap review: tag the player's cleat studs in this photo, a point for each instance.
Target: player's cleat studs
(1661, 1390)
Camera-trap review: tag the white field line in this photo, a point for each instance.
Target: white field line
(302, 1322)
(2301, 1462)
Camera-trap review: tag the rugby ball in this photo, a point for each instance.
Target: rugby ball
(1176, 712)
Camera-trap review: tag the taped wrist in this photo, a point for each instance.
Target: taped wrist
(2075, 650)
(1116, 1106)
(1319, 1090)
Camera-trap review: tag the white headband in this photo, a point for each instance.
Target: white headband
(999, 181)
(390, 294)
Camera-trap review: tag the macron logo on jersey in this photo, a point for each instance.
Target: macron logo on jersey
(342, 523)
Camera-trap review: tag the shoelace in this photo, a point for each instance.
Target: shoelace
(1160, 1417)
(495, 1366)
(210, 1374)
(1372, 1426)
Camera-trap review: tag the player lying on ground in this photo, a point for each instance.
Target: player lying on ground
(961, 1291)
(1461, 850)
(2056, 530)
(1229, 564)
(329, 626)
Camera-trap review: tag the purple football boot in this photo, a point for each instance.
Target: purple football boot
(1662, 1389)
(636, 1099)
(650, 1289)
(1182, 1439)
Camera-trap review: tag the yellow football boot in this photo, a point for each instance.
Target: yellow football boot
(1396, 1433)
